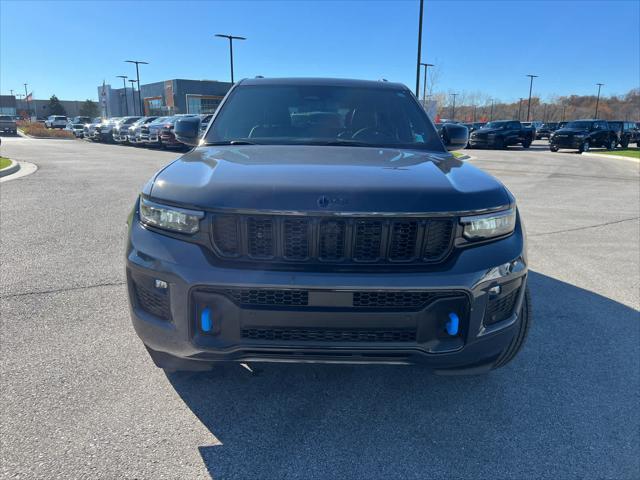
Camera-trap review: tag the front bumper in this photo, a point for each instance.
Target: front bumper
(566, 142)
(482, 142)
(329, 328)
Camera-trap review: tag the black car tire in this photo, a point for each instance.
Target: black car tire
(611, 145)
(624, 143)
(526, 144)
(519, 338)
(553, 148)
(584, 147)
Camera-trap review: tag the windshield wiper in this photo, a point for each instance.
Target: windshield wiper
(232, 142)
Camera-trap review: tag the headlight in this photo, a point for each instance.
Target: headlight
(491, 225)
(169, 218)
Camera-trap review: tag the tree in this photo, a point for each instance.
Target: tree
(89, 109)
(55, 107)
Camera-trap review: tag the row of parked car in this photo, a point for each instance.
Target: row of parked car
(151, 131)
(579, 135)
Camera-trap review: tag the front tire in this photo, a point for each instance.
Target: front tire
(625, 143)
(526, 144)
(524, 323)
(553, 148)
(584, 147)
(612, 144)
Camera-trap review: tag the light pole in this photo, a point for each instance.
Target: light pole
(133, 93)
(530, 88)
(598, 99)
(138, 62)
(124, 84)
(26, 99)
(453, 108)
(564, 107)
(491, 114)
(519, 108)
(424, 87)
(231, 39)
(419, 49)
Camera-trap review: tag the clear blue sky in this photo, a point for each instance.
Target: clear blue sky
(68, 48)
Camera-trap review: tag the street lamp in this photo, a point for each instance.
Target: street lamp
(453, 109)
(419, 49)
(598, 99)
(138, 62)
(424, 87)
(124, 84)
(530, 88)
(133, 93)
(26, 99)
(231, 39)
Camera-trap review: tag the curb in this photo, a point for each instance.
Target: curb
(13, 168)
(25, 169)
(611, 157)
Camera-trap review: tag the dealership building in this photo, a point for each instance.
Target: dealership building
(163, 98)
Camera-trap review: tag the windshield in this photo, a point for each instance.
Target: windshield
(579, 125)
(496, 125)
(550, 125)
(321, 115)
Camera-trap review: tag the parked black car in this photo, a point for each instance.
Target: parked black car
(349, 234)
(581, 135)
(546, 130)
(501, 134)
(626, 132)
(167, 138)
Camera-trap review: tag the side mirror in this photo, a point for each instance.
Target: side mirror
(454, 136)
(186, 131)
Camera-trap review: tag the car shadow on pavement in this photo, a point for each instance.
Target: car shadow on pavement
(566, 406)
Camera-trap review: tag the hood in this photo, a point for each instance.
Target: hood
(332, 179)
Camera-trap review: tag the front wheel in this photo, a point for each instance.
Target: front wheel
(612, 144)
(553, 148)
(526, 144)
(584, 147)
(524, 323)
(624, 143)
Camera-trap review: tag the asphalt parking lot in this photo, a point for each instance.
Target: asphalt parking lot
(79, 397)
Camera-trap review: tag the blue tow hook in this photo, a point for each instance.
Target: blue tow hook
(205, 320)
(453, 324)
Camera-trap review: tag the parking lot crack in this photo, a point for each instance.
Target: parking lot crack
(584, 228)
(58, 290)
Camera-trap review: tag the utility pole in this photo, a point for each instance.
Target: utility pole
(453, 109)
(419, 49)
(126, 102)
(424, 87)
(231, 39)
(564, 107)
(530, 89)
(491, 114)
(519, 108)
(26, 99)
(138, 62)
(598, 99)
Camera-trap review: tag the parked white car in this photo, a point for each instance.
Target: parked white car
(56, 121)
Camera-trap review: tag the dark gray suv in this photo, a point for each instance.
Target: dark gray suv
(323, 220)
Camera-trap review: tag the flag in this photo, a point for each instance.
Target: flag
(29, 97)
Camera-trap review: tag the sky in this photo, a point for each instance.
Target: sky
(69, 48)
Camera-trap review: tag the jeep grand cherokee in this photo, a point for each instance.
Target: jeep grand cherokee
(324, 221)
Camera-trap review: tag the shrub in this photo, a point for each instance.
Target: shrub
(38, 130)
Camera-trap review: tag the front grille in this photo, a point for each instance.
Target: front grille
(267, 297)
(152, 301)
(330, 335)
(362, 299)
(392, 299)
(311, 239)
